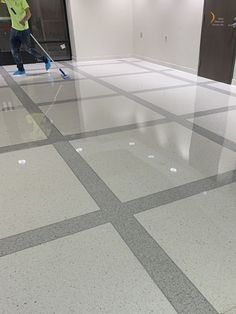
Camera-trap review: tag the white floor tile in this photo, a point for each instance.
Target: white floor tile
(96, 114)
(65, 90)
(38, 189)
(139, 82)
(225, 87)
(188, 99)
(199, 234)
(8, 99)
(147, 166)
(189, 76)
(89, 273)
(95, 62)
(17, 127)
(222, 124)
(2, 82)
(233, 311)
(131, 59)
(153, 66)
(112, 69)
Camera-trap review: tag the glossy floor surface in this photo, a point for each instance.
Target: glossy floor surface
(118, 191)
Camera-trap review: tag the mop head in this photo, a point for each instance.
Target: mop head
(64, 75)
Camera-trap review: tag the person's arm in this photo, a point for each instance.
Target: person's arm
(27, 16)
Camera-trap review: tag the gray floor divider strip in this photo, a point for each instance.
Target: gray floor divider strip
(52, 82)
(208, 112)
(97, 189)
(32, 238)
(117, 129)
(77, 136)
(177, 288)
(28, 145)
(77, 99)
(175, 118)
(206, 84)
(180, 192)
(162, 88)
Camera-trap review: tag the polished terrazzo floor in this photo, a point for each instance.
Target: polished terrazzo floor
(118, 191)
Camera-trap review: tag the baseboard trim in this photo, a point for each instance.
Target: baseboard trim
(167, 64)
(108, 57)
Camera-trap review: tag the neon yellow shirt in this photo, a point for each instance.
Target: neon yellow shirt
(19, 6)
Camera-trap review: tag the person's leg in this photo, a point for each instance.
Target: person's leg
(15, 43)
(27, 45)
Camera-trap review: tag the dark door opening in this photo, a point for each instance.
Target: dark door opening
(218, 41)
(48, 24)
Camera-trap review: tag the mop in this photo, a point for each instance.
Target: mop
(63, 74)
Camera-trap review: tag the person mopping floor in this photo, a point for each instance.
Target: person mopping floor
(20, 14)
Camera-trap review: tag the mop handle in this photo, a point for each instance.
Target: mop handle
(41, 47)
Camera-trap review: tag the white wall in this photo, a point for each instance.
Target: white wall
(111, 28)
(100, 28)
(179, 20)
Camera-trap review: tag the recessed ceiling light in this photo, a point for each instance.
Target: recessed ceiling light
(131, 143)
(173, 170)
(151, 156)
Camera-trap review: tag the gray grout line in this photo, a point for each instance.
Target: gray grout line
(180, 192)
(77, 99)
(174, 284)
(82, 135)
(96, 188)
(175, 118)
(32, 238)
(122, 74)
(217, 89)
(95, 64)
(38, 236)
(206, 84)
(208, 112)
(164, 73)
(212, 136)
(117, 129)
(161, 88)
(94, 185)
(31, 70)
(50, 82)
(28, 145)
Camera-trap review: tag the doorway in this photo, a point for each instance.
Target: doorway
(218, 41)
(48, 24)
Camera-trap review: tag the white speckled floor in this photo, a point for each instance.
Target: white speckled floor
(118, 191)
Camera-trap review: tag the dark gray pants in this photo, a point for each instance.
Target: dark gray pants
(22, 39)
